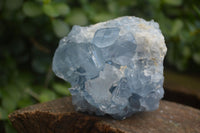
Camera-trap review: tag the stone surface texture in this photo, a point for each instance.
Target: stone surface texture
(114, 67)
(59, 116)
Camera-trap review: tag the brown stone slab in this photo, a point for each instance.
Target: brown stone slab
(59, 116)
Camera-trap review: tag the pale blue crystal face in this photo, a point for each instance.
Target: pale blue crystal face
(105, 37)
(114, 67)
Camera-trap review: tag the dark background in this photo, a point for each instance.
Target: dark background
(30, 31)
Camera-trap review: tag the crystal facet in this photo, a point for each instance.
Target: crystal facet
(114, 67)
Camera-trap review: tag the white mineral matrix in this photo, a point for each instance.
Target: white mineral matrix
(114, 67)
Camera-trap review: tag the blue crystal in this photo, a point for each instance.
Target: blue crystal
(114, 67)
(105, 37)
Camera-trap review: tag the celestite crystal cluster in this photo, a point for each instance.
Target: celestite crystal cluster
(114, 67)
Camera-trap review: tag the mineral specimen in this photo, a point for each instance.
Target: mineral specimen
(114, 67)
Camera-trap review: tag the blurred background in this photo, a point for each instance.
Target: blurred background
(30, 31)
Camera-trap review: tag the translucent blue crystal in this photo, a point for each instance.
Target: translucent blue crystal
(114, 67)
